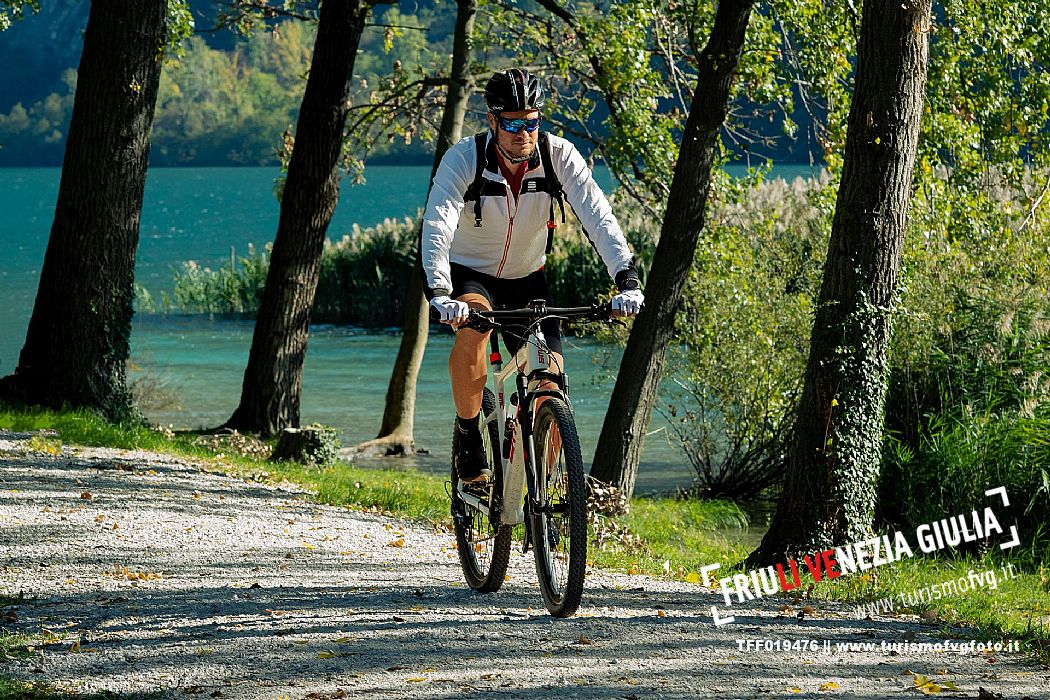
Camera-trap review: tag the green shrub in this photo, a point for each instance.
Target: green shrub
(744, 330)
(968, 403)
(236, 289)
(972, 414)
(364, 277)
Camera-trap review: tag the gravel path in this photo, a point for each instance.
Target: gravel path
(155, 575)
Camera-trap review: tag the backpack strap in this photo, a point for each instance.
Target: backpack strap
(553, 187)
(476, 188)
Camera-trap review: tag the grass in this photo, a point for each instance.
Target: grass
(15, 645)
(668, 536)
(18, 645)
(11, 689)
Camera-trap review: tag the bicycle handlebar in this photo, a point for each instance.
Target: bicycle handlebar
(482, 320)
(538, 311)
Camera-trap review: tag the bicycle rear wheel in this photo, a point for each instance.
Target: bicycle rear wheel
(559, 526)
(483, 545)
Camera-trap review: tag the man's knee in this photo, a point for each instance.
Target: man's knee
(469, 336)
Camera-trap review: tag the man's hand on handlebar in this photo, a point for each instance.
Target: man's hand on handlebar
(449, 310)
(627, 303)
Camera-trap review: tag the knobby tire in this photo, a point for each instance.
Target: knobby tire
(559, 537)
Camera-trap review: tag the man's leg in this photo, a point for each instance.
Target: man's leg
(467, 366)
(468, 370)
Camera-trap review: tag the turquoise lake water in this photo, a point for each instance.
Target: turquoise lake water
(199, 214)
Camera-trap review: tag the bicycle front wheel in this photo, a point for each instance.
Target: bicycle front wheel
(559, 525)
(483, 543)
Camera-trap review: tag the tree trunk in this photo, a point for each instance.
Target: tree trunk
(273, 379)
(829, 489)
(620, 444)
(77, 344)
(396, 433)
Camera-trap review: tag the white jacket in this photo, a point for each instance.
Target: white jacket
(512, 239)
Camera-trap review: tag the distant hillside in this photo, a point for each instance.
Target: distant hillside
(229, 100)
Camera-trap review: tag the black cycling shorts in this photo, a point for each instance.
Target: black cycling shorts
(505, 293)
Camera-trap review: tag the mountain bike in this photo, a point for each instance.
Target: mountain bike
(530, 440)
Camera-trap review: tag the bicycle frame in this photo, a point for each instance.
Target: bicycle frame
(519, 475)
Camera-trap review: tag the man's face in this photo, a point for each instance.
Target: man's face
(521, 144)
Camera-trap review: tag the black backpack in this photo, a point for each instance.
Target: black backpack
(548, 183)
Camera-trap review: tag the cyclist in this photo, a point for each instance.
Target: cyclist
(491, 254)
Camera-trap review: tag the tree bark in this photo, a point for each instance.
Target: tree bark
(77, 345)
(273, 379)
(829, 489)
(630, 407)
(396, 433)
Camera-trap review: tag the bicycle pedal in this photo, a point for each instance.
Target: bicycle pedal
(477, 489)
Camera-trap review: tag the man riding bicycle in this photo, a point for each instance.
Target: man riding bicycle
(491, 254)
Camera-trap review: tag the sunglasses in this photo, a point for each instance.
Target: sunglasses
(513, 126)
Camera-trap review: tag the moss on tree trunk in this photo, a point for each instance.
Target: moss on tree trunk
(828, 496)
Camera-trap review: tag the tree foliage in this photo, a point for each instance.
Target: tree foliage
(14, 10)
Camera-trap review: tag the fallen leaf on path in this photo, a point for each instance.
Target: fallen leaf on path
(794, 691)
(415, 680)
(86, 495)
(830, 685)
(99, 518)
(399, 542)
(583, 640)
(661, 613)
(925, 685)
(809, 609)
(326, 655)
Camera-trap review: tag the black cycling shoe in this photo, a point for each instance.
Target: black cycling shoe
(469, 455)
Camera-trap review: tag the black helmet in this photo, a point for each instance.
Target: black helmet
(514, 90)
